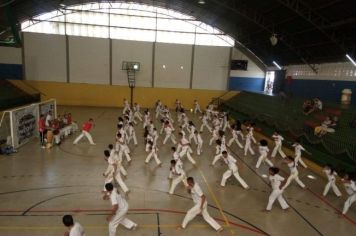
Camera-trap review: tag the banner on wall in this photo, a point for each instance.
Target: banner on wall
(24, 124)
(45, 107)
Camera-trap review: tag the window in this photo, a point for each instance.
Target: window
(129, 21)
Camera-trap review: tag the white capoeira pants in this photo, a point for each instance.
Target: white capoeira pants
(119, 181)
(298, 159)
(176, 180)
(205, 125)
(87, 135)
(228, 174)
(133, 137)
(155, 156)
(199, 148)
(192, 213)
(124, 151)
(192, 136)
(278, 148)
(335, 189)
(171, 136)
(248, 148)
(236, 140)
(351, 199)
(186, 151)
(120, 218)
(276, 194)
(263, 158)
(293, 176)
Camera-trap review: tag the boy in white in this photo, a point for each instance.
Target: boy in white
(153, 153)
(178, 175)
(112, 172)
(185, 146)
(250, 130)
(199, 142)
(293, 173)
(126, 106)
(263, 149)
(196, 107)
(350, 188)
(278, 145)
(298, 154)
(233, 170)
(75, 229)
(118, 212)
(276, 180)
(204, 120)
(168, 129)
(114, 159)
(200, 206)
(132, 134)
(331, 175)
(235, 138)
(248, 137)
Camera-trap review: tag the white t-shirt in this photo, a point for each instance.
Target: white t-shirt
(298, 149)
(293, 167)
(263, 149)
(350, 188)
(331, 176)
(231, 162)
(48, 119)
(275, 181)
(278, 138)
(77, 230)
(196, 193)
(117, 199)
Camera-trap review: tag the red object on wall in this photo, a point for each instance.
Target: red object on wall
(289, 79)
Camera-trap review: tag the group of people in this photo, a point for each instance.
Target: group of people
(309, 106)
(189, 141)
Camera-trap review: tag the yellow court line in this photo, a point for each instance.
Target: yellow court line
(216, 201)
(94, 227)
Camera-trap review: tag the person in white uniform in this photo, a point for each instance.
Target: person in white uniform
(331, 175)
(205, 123)
(263, 149)
(298, 153)
(248, 147)
(137, 114)
(199, 142)
(235, 133)
(185, 148)
(115, 159)
(118, 212)
(168, 129)
(293, 173)
(123, 148)
(196, 107)
(192, 130)
(350, 187)
(74, 228)
(113, 172)
(153, 152)
(178, 175)
(278, 145)
(201, 206)
(276, 180)
(126, 106)
(132, 134)
(230, 161)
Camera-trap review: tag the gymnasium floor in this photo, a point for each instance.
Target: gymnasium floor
(39, 186)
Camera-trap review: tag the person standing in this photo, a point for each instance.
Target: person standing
(185, 148)
(75, 229)
(298, 148)
(276, 180)
(278, 145)
(42, 130)
(197, 107)
(350, 187)
(178, 175)
(201, 206)
(87, 126)
(331, 175)
(293, 173)
(263, 149)
(118, 212)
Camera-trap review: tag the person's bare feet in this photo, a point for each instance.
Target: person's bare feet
(220, 229)
(179, 228)
(265, 210)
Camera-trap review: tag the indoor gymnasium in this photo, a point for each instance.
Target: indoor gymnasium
(177, 117)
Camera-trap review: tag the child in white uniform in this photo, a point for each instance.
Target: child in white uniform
(123, 148)
(185, 148)
(112, 172)
(276, 180)
(132, 134)
(278, 145)
(118, 212)
(205, 123)
(192, 130)
(178, 175)
(75, 229)
(293, 173)
(168, 129)
(331, 175)
(199, 142)
(126, 106)
(248, 138)
(232, 169)
(350, 187)
(263, 149)
(298, 154)
(153, 153)
(201, 206)
(114, 158)
(196, 107)
(137, 113)
(235, 138)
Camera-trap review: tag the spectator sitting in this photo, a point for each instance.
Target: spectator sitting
(324, 127)
(318, 104)
(308, 107)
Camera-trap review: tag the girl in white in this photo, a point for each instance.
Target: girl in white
(137, 113)
(175, 157)
(331, 175)
(112, 173)
(298, 154)
(263, 149)
(350, 187)
(75, 229)
(185, 148)
(153, 153)
(201, 206)
(199, 142)
(278, 145)
(168, 129)
(178, 175)
(248, 138)
(126, 106)
(204, 120)
(192, 130)
(196, 107)
(118, 213)
(235, 138)
(132, 134)
(293, 173)
(233, 170)
(123, 148)
(276, 180)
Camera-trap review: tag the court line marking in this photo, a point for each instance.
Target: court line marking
(215, 200)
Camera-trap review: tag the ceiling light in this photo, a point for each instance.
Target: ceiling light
(202, 2)
(350, 59)
(182, 67)
(273, 39)
(164, 66)
(278, 66)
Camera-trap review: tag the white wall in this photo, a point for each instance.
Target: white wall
(45, 57)
(132, 51)
(177, 61)
(253, 71)
(89, 60)
(211, 66)
(10, 55)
